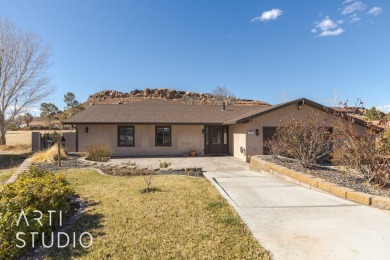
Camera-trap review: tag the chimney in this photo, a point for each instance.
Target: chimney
(223, 106)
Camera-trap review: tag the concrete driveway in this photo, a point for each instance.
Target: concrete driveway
(294, 222)
(290, 221)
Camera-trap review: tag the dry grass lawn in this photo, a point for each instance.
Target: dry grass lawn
(186, 219)
(5, 174)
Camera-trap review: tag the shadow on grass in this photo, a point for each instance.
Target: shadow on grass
(88, 222)
(12, 160)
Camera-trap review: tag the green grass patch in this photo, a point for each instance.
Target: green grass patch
(187, 218)
(5, 174)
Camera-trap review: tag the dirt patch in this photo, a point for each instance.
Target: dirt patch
(19, 137)
(15, 149)
(72, 162)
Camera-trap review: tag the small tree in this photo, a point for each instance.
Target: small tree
(70, 100)
(27, 118)
(49, 113)
(373, 114)
(72, 107)
(308, 140)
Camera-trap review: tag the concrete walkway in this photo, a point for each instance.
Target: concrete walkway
(22, 168)
(294, 222)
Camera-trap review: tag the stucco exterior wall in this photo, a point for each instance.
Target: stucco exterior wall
(237, 140)
(185, 138)
(70, 141)
(254, 143)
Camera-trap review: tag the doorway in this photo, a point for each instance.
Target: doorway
(216, 140)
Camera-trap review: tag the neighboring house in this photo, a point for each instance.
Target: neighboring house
(163, 128)
(39, 125)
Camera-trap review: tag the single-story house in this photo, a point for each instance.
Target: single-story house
(163, 128)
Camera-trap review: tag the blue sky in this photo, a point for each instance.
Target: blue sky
(266, 50)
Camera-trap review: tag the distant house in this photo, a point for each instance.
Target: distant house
(38, 124)
(163, 128)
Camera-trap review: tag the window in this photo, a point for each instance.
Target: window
(163, 136)
(125, 135)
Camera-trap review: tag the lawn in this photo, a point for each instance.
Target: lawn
(186, 219)
(5, 174)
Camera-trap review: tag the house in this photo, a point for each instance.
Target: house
(163, 128)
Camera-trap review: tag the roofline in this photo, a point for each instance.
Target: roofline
(138, 123)
(306, 102)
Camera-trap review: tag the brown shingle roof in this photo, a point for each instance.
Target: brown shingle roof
(159, 112)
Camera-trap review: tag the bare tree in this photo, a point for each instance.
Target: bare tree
(366, 153)
(23, 73)
(284, 97)
(307, 139)
(222, 95)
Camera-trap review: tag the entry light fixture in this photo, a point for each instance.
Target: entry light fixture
(86, 129)
(257, 132)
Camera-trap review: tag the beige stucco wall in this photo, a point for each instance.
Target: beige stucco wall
(253, 143)
(70, 141)
(185, 138)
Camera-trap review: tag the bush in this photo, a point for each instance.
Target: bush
(164, 164)
(98, 152)
(308, 140)
(366, 153)
(33, 190)
(49, 155)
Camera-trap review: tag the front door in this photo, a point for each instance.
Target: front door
(216, 140)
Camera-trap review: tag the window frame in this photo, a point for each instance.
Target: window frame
(170, 136)
(118, 135)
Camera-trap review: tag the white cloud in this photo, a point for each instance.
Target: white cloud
(268, 15)
(353, 7)
(375, 10)
(354, 18)
(327, 27)
(327, 24)
(332, 33)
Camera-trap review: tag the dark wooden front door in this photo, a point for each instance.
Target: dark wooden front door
(216, 140)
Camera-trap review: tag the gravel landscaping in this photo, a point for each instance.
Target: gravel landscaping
(116, 170)
(332, 174)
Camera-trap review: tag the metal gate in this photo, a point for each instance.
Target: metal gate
(47, 140)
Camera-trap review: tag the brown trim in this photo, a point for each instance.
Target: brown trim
(304, 102)
(170, 135)
(137, 123)
(118, 134)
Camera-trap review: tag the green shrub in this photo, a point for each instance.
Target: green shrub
(164, 164)
(33, 190)
(98, 152)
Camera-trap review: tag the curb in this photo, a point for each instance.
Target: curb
(22, 168)
(319, 184)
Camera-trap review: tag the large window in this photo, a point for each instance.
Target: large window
(163, 136)
(125, 135)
